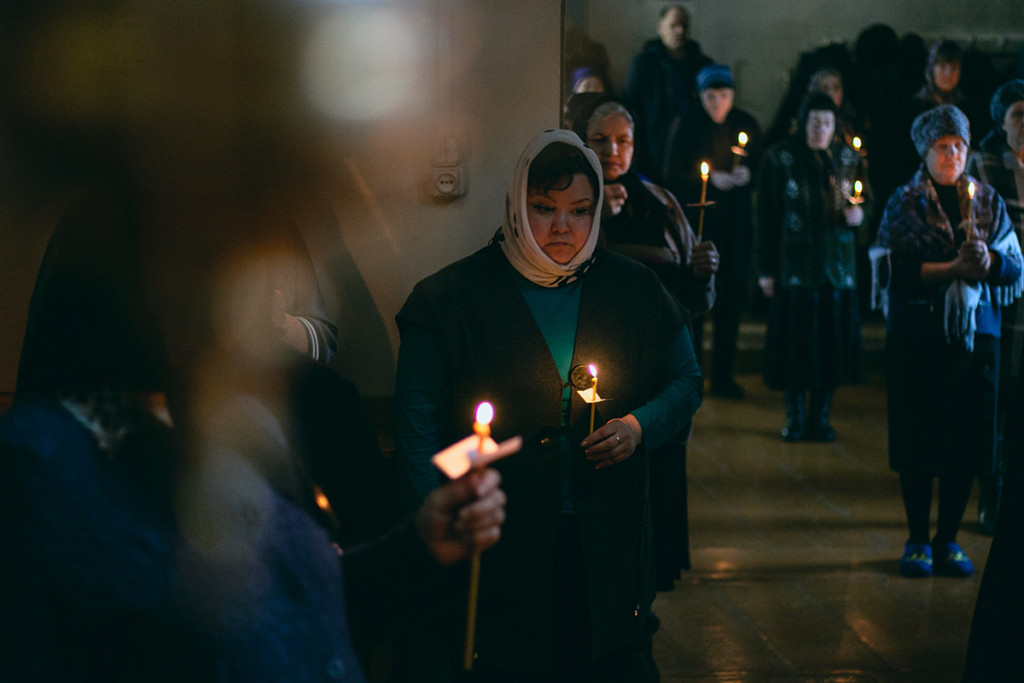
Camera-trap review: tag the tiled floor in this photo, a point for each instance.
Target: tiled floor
(795, 550)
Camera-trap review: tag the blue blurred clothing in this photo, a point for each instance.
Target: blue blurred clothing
(134, 564)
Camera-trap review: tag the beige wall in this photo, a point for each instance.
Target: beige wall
(489, 75)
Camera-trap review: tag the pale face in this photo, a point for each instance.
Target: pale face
(821, 127)
(946, 159)
(611, 138)
(560, 220)
(1013, 126)
(833, 87)
(672, 29)
(717, 102)
(946, 75)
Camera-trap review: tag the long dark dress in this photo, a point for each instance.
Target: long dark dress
(813, 336)
(652, 229)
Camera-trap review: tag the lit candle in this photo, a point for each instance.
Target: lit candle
(858, 187)
(482, 425)
(738, 150)
(704, 171)
(970, 221)
(482, 428)
(593, 386)
(856, 143)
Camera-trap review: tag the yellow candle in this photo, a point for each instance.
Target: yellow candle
(738, 149)
(593, 399)
(482, 428)
(858, 187)
(704, 171)
(970, 221)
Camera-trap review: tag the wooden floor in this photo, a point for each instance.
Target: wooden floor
(795, 550)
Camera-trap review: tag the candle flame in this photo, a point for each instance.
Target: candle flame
(484, 413)
(742, 138)
(593, 370)
(857, 187)
(704, 168)
(970, 190)
(856, 143)
(321, 499)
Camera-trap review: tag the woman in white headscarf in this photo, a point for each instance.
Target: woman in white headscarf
(518, 323)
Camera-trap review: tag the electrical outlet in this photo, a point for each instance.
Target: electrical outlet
(447, 182)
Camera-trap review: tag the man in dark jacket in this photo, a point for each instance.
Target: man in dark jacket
(660, 86)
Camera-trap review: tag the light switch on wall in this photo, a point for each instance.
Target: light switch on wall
(447, 172)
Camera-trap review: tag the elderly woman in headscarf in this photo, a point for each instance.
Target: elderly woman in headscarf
(946, 262)
(943, 84)
(645, 222)
(518, 324)
(808, 217)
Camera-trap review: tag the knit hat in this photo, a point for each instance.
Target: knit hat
(1007, 94)
(941, 121)
(714, 76)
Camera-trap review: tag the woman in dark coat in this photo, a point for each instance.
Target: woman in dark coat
(808, 217)
(517, 323)
(946, 262)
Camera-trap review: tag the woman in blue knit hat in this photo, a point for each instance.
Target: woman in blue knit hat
(946, 262)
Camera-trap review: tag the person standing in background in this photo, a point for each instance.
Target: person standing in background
(946, 262)
(807, 223)
(660, 86)
(711, 134)
(999, 162)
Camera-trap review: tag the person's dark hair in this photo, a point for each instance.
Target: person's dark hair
(813, 101)
(945, 51)
(578, 107)
(91, 322)
(556, 165)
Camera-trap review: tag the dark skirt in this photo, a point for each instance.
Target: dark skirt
(813, 339)
(669, 514)
(941, 403)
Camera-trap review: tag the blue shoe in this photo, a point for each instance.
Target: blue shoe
(950, 560)
(916, 562)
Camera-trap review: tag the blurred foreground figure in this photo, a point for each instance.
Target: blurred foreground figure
(159, 471)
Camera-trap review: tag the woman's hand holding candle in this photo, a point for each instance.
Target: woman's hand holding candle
(704, 260)
(613, 442)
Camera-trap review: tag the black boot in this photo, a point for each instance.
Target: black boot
(818, 426)
(793, 430)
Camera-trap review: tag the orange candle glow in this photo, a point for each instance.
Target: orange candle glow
(970, 221)
(742, 139)
(482, 428)
(858, 187)
(482, 425)
(856, 143)
(704, 171)
(593, 374)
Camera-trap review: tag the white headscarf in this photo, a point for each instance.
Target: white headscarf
(515, 236)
